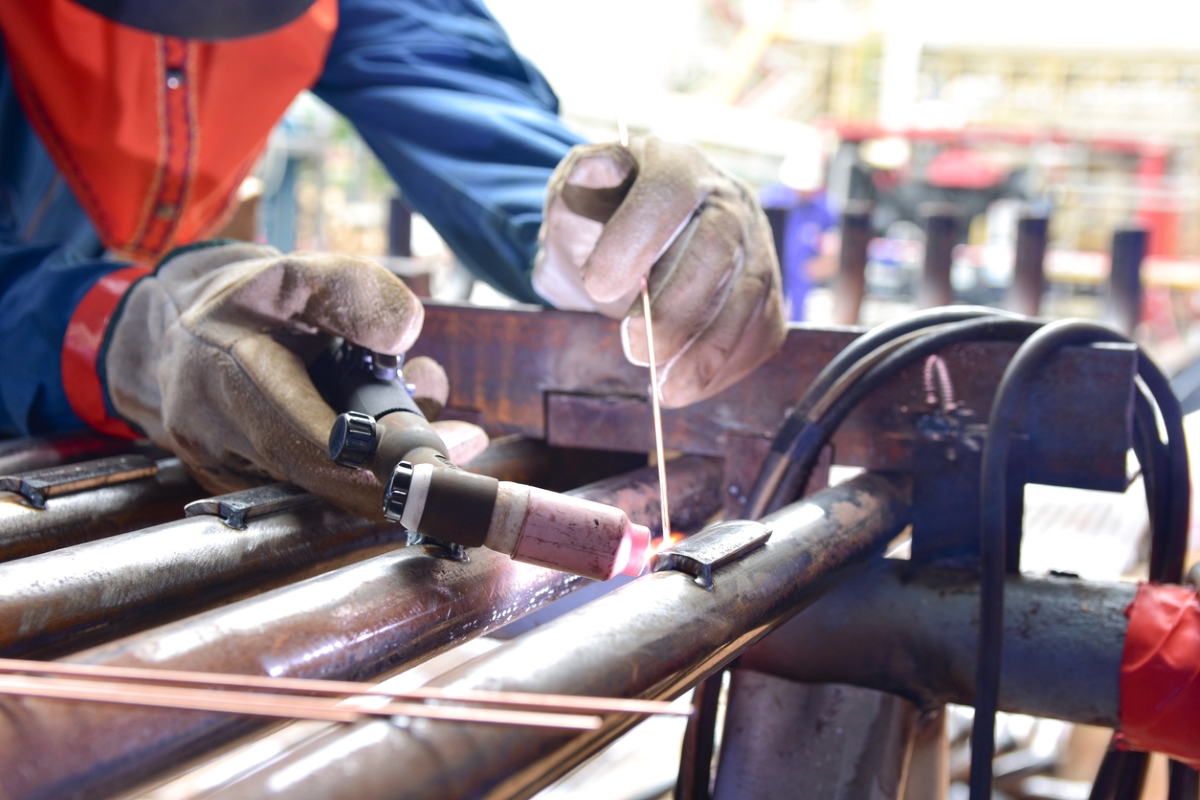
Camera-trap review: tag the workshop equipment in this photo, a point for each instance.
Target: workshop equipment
(386, 432)
(561, 378)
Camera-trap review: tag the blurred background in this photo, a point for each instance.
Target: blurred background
(1083, 113)
(1042, 155)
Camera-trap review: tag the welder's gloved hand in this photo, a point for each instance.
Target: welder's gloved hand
(662, 210)
(208, 357)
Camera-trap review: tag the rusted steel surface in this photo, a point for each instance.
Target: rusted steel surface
(40, 452)
(73, 597)
(561, 376)
(653, 639)
(353, 623)
(98, 590)
(812, 741)
(915, 630)
(851, 283)
(94, 514)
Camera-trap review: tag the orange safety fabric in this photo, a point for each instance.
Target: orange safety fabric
(1160, 673)
(81, 348)
(155, 134)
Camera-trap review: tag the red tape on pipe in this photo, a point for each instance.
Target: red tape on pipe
(1160, 673)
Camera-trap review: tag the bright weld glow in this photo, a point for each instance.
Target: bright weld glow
(666, 542)
(658, 435)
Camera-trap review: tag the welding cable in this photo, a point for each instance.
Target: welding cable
(1168, 498)
(816, 433)
(860, 350)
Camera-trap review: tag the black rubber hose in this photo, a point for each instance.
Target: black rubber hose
(785, 440)
(814, 434)
(1168, 500)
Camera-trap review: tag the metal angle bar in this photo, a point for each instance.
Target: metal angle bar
(716, 546)
(37, 486)
(274, 705)
(96, 513)
(39, 452)
(235, 508)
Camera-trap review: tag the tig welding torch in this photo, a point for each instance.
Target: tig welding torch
(386, 432)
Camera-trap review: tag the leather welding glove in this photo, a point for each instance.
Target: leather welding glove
(209, 358)
(655, 209)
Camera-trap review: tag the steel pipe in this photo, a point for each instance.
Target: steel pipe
(355, 623)
(912, 631)
(654, 638)
(39, 452)
(74, 597)
(94, 514)
(68, 598)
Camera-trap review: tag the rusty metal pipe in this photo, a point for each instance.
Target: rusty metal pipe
(912, 631)
(654, 638)
(94, 514)
(354, 623)
(91, 592)
(39, 452)
(75, 597)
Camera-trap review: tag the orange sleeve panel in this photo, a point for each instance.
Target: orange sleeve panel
(154, 134)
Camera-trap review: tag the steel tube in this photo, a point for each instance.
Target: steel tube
(812, 742)
(354, 623)
(912, 632)
(94, 514)
(87, 593)
(40, 452)
(653, 639)
(74, 597)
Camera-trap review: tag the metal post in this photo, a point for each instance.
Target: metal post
(399, 228)
(812, 741)
(1029, 278)
(1125, 278)
(941, 234)
(851, 282)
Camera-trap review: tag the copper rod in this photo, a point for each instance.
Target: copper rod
(545, 702)
(273, 705)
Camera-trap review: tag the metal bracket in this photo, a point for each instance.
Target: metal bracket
(450, 550)
(713, 547)
(37, 486)
(235, 508)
